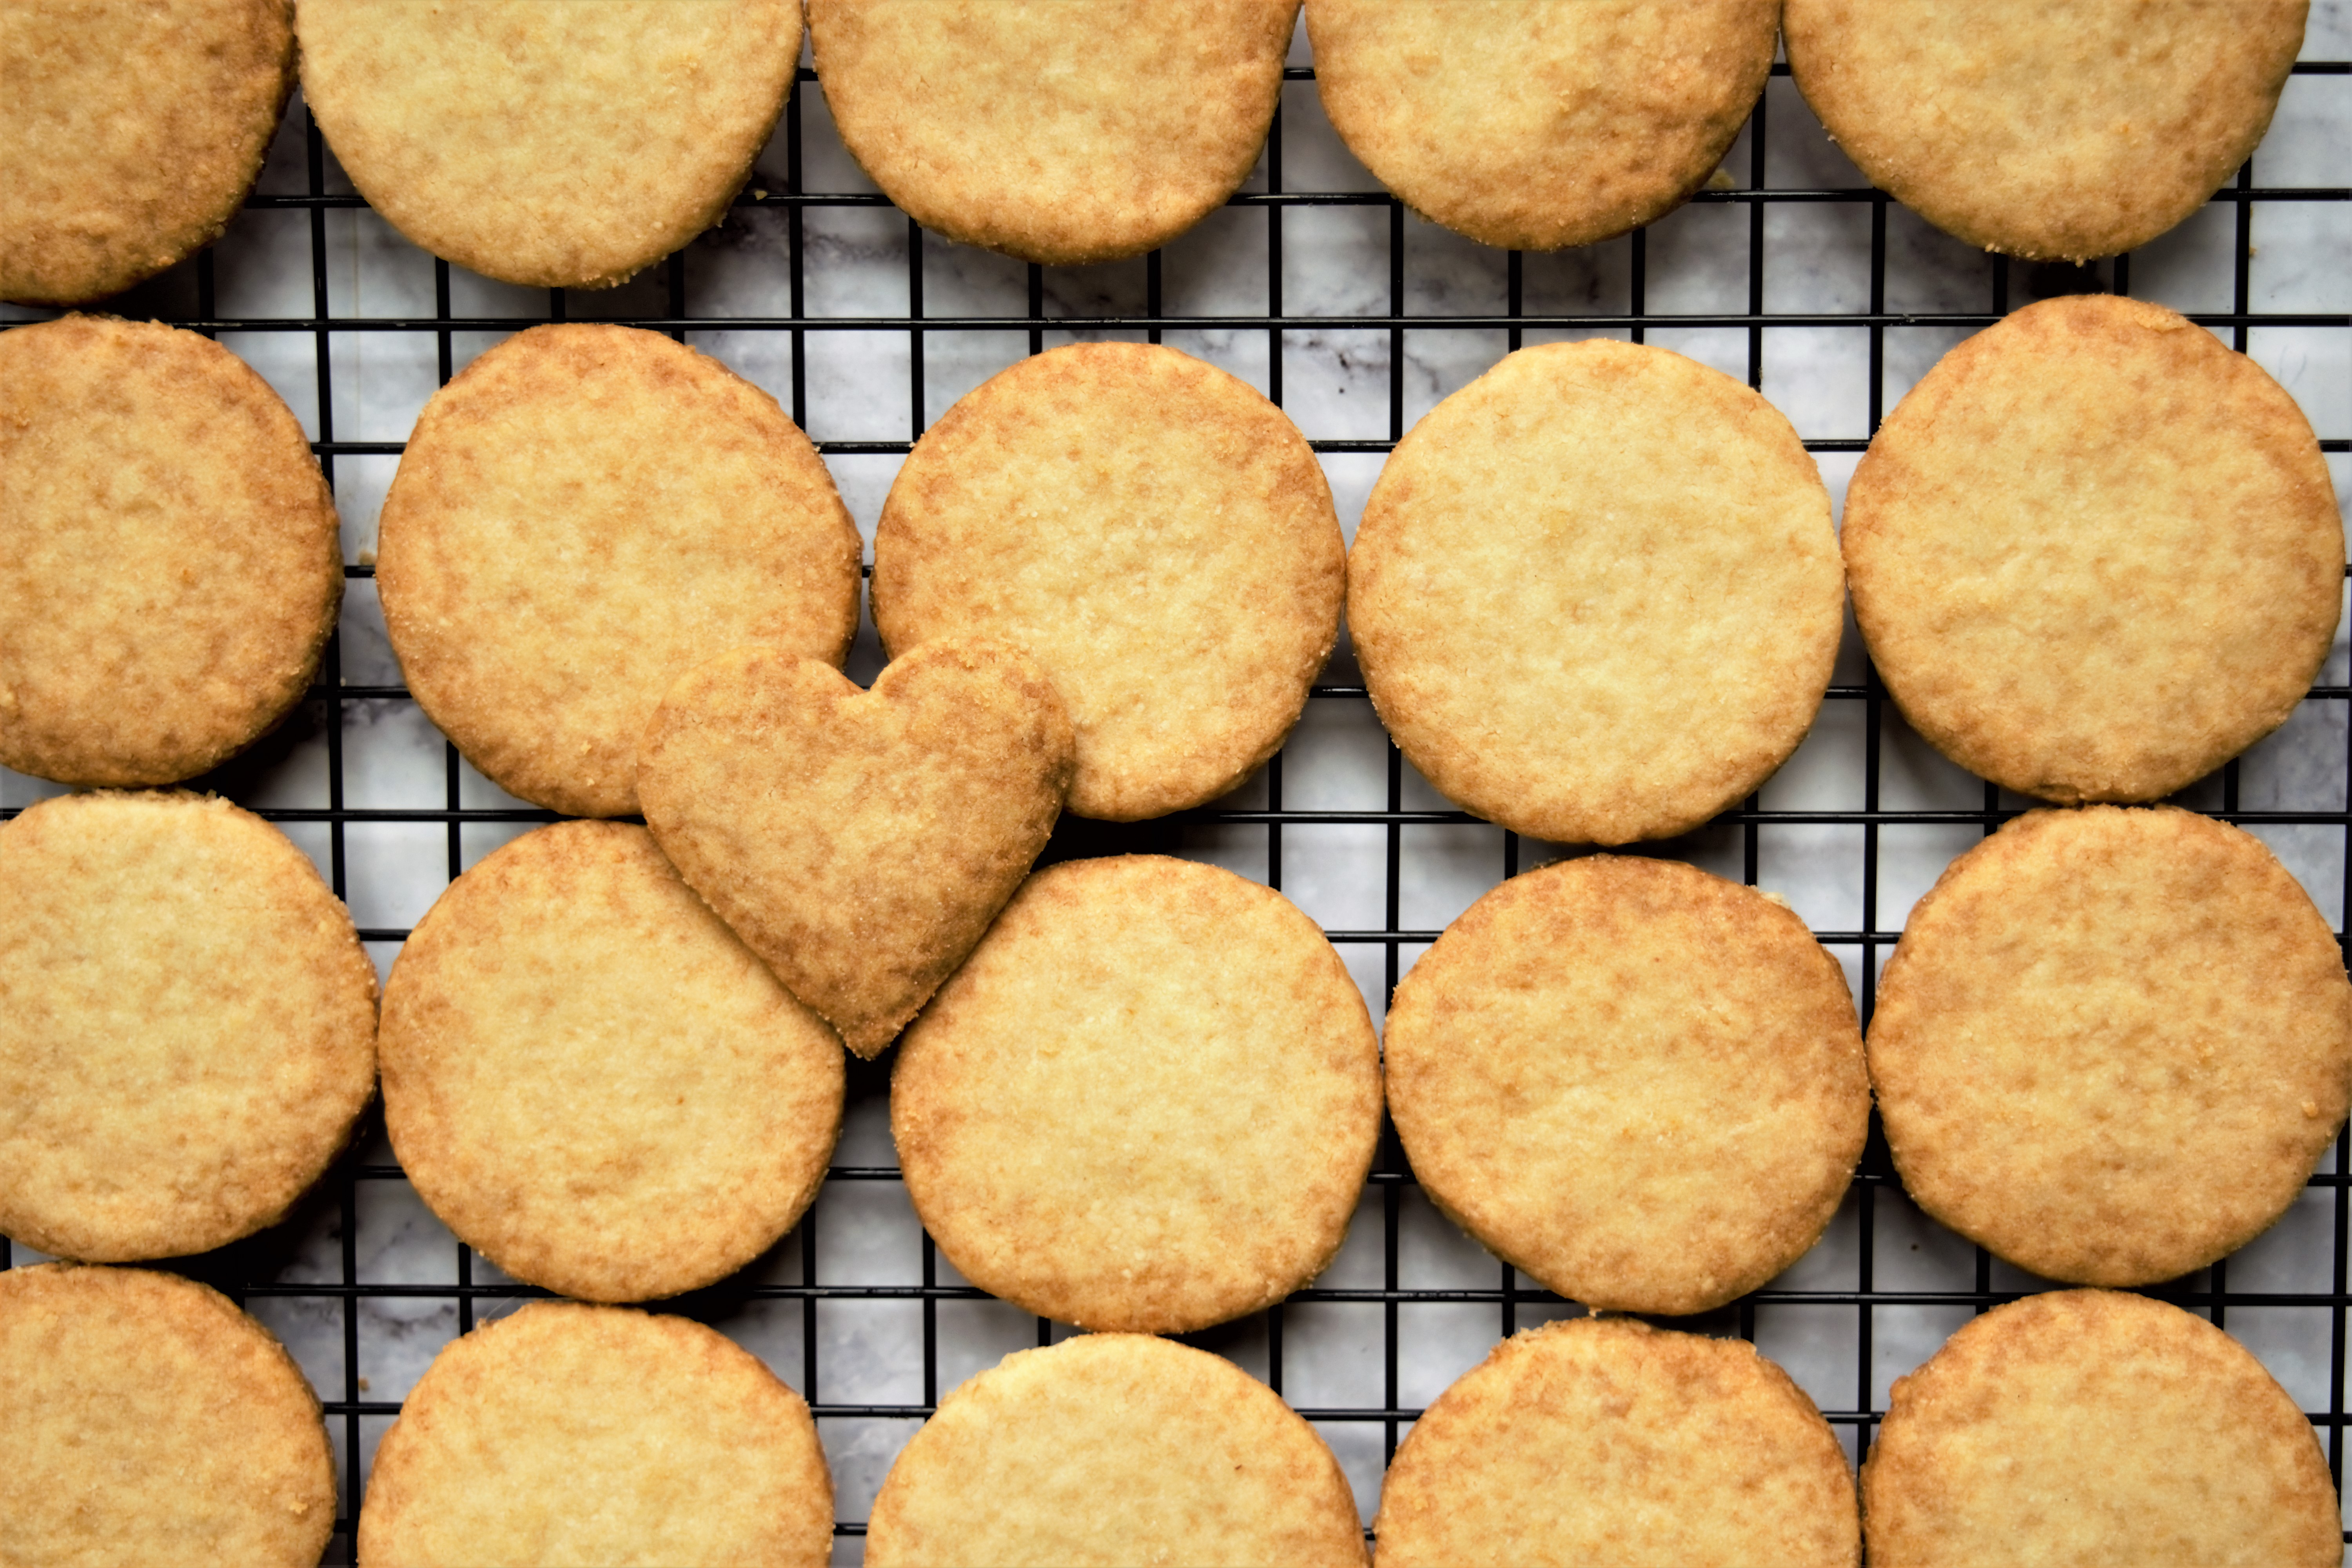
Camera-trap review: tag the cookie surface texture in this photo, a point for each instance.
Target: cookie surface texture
(1595, 593)
(1684, 1450)
(2055, 132)
(572, 1436)
(144, 1419)
(1534, 124)
(1149, 528)
(187, 1026)
(2095, 554)
(1075, 132)
(1640, 1083)
(553, 145)
(591, 1080)
(1109, 1449)
(583, 515)
(2094, 1430)
(132, 134)
(2112, 1044)
(169, 563)
(859, 843)
(1147, 1101)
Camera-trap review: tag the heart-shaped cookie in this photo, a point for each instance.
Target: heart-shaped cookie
(860, 842)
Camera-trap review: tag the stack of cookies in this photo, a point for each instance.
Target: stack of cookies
(1596, 594)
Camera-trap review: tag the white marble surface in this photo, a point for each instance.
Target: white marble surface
(1335, 383)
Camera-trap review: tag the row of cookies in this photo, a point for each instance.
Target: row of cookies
(1595, 594)
(572, 145)
(2111, 1046)
(144, 1418)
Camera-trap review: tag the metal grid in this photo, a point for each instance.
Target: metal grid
(248, 1271)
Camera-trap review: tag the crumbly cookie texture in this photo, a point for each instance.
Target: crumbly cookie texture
(187, 1026)
(1640, 1083)
(1595, 593)
(169, 561)
(2112, 1043)
(2094, 1430)
(132, 135)
(582, 515)
(1684, 1450)
(2053, 133)
(1147, 1101)
(1111, 1449)
(144, 1419)
(1079, 131)
(1535, 124)
(574, 1436)
(560, 146)
(1154, 533)
(591, 1080)
(859, 842)
(2095, 554)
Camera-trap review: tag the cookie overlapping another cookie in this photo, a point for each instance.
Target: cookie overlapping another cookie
(859, 842)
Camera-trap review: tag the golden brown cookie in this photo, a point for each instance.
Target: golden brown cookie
(1595, 593)
(558, 145)
(2112, 1044)
(583, 515)
(589, 1079)
(132, 132)
(169, 565)
(2095, 554)
(187, 1026)
(1110, 1449)
(1604, 1440)
(1147, 1101)
(2047, 132)
(144, 1419)
(859, 842)
(572, 1437)
(1534, 124)
(2094, 1430)
(1082, 130)
(1640, 1083)
(1150, 530)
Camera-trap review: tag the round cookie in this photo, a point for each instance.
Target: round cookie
(2055, 132)
(592, 1082)
(1080, 131)
(575, 1436)
(2112, 1044)
(1595, 593)
(1147, 1101)
(1108, 1449)
(144, 1419)
(132, 134)
(187, 1026)
(558, 146)
(2096, 1430)
(1534, 124)
(1640, 1083)
(582, 515)
(1153, 532)
(2095, 554)
(1694, 1451)
(169, 563)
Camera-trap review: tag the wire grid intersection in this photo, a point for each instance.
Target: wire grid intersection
(251, 1271)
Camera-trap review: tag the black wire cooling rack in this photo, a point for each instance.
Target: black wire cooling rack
(253, 1271)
